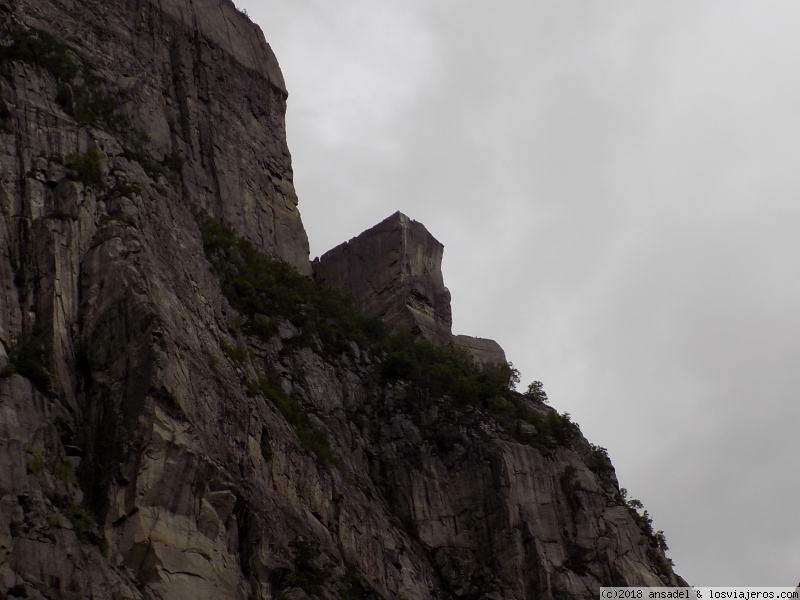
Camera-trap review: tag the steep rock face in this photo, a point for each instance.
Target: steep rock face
(394, 271)
(153, 447)
(484, 350)
(203, 93)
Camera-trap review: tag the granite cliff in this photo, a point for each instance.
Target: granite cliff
(394, 273)
(185, 414)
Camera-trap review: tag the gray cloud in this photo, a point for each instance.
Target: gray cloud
(615, 184)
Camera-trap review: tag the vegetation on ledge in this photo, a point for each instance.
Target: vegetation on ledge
(80, 92)
(266, 291)
(86, 96)
(27, 358)
(42, 50)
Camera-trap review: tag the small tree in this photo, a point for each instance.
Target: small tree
(536, 391)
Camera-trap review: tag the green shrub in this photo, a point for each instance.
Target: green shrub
(170, 168)
(577, 561)
(83, 521)
(86, 101)
(124, 219)
(308, 574)
(312, 440)
(265, 290)
(553, 430)
(86, 168)
(90, 103)
(536, 392)
(18, 591)
(27, 358)
(600, 464)
(173, 162)
(60, 215)
(256, 284)
(316, 442)
(353, 588)
(123, 189)
(567, 478)
(262, 325)
(656, 540)
(433, 371)
(42, 50)
(238, 353)
(36, 465)
(63, 471)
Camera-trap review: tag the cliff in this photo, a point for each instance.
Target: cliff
(394, 272)
(182, 416)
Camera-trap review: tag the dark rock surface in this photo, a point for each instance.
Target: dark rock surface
(138, 458)
(394, 271)
(484, 350)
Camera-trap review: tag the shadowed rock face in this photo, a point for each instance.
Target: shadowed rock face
(485, 351)
(394, 271)
(203, 93)
(141, 457)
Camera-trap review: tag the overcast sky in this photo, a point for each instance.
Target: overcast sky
(616, 185)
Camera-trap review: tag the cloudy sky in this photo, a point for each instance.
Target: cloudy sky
(616, 186)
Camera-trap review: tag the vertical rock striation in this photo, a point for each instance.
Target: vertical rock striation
(199, 94)
(394, 271)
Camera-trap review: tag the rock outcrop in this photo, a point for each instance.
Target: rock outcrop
(484, 350)
(394, 272)
(159, 441)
